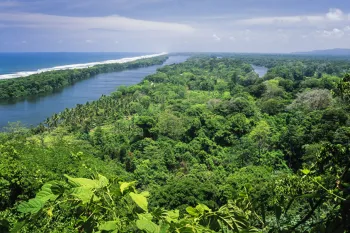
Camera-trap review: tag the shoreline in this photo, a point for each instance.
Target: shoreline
(76, 66)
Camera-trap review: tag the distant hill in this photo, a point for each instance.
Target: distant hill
(329, 52)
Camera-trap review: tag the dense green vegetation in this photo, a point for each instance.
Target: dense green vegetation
(202, 146)
(47, 82)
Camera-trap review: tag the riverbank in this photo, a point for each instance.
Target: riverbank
(33, 110)
(51, 81)
(77, 66)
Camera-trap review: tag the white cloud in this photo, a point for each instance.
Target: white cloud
(112, 23)
(24, 42)
(216, 37)
(232, 38)
(116, 42)
(334, 33)
(89, 41)
(245, 35)
(279, 20)
(335, 14)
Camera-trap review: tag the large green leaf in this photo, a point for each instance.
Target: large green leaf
(145, 223)
(82, 182)
(84, 194)
(33, 206)
(125, 185)
(202, 208)
(140, 200)
(232, 217)
(46, 194)
(57, 189)
(109, 226)
(164, 228)
(192, 211)
(172, 216)
(102, 181)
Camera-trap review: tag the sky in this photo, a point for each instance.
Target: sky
(260, 26)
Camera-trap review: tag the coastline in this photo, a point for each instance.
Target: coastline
(77, 66)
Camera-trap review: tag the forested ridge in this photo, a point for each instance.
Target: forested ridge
(201, 146)
(48, 82)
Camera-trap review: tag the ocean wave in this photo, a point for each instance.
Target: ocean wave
(76, 66)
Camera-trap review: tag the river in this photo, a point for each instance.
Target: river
(260, 70)
(32, 111)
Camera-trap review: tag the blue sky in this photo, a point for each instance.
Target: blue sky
(174, 25)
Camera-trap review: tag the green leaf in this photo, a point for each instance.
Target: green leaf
(202, 208)
(305, 171)
(318, 179)
(145, 224)
(192, 211)
(172, 216)
(84, 194)
(109, 226)
(46, 194)
(82, 182)
(164, 228)
(33, 206)
(140, 200)
(145, 194)
(125, 185)
(57, 189)
(102, 181)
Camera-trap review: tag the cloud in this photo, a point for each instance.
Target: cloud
(333, 15)
(216, 37)
(232, 38)
(114, 22)
(246, 35)
(335, 33)
(279, 20)
(116, 42)
(89, 41)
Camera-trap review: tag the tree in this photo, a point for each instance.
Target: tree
(343, 89)
(146, 123)
(260, 135)
(316, 99)
(272, 106)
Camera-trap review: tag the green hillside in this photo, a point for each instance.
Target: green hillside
(201, 146)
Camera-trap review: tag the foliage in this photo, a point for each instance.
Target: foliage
(48, 82)
(213, 148)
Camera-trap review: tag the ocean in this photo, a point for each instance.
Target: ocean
(12, 63)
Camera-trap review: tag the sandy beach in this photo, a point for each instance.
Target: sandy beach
(77, 66)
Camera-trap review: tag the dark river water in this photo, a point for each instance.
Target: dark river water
(260, 70)
(36, 110)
